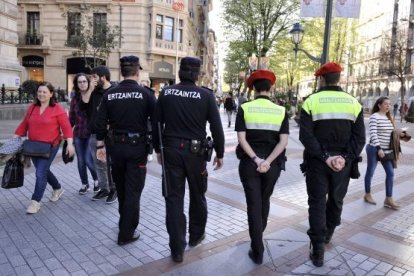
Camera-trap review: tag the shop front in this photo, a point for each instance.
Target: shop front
(161, 76)
(34, 67)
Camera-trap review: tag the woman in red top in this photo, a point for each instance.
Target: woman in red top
(44, 121)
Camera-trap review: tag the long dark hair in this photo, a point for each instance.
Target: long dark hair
(75, 82)
(52, 101)
(376, 108)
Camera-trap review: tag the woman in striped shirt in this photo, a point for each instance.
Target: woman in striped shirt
(381, 126)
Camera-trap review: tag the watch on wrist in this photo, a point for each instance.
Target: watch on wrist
(100, 147)
(254, 158)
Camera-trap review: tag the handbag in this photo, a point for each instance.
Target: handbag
(65, 157)
(388, 156)
(13, 175)
(36, 149)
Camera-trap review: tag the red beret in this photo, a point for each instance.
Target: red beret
(260, 75)
(330, 67)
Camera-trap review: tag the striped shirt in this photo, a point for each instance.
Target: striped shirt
(380, 129)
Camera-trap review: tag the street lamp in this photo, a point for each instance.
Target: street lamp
(296, 35)
(177, 6)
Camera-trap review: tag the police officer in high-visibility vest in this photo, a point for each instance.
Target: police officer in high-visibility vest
(262, 130)
(126, 109)
(333, 133)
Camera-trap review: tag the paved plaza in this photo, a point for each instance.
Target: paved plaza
(77, 236)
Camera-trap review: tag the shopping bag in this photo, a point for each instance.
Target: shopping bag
(13, 175)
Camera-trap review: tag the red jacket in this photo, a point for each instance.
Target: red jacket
(45, 127)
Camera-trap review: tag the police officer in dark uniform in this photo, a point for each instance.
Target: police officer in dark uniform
(182, 111)
(126, 109)
(262, 130)
(333, 133)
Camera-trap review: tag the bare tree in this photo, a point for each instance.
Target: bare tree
(395, 58)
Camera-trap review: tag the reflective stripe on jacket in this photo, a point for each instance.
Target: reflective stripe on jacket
(327, 105)
(263, 114)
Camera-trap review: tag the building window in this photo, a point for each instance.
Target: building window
(180, 31)
(33, 23)
(74, 28)
(169, 28)
(99, 23)
(99, 28)
(164, 28)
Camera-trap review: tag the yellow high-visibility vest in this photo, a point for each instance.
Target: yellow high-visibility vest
(327, 105)
(262, 114)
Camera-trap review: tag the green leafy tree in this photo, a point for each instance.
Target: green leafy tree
(94, 40)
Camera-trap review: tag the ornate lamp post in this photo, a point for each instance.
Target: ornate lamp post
(296, 35)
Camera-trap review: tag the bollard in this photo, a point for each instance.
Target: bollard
(11, 96)
(3, 93)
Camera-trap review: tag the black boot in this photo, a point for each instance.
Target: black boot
(316, 254)
(329, 234)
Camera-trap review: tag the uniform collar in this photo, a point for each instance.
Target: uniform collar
(129, 81)
(330, 88)
(262, 97)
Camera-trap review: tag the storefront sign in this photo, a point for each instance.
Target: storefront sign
(33, 61)
(163, 70)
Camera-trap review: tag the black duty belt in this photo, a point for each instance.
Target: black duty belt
(183, 143)
(129, 138)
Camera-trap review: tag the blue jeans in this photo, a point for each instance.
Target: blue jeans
(44, 175)
(372, 161)
(84, 157)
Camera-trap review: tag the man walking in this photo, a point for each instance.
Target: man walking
(333, 133)
(182, 111)
(101, 78)
(126, 109)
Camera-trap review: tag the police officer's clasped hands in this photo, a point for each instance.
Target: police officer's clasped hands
(336, 163)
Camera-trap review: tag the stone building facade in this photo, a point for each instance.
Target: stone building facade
(370, 64)
(10, 69)
(151, 30)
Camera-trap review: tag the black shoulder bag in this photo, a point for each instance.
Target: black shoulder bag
(36, 148)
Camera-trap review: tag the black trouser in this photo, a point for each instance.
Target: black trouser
(128, 163)
(258, 188)
(325, 212)
(181, 164)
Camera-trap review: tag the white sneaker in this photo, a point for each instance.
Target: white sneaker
(33, 208)
(150, 158)
(56, 194)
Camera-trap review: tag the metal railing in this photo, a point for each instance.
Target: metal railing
(20, 96)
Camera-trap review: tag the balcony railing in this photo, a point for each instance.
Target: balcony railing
(168, 45)
(30, 39)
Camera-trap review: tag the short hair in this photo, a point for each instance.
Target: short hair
(189, 69)
(101, 71)
(75, 82)
(332, 78)
(129, 70)
(262, 85)
(52, 101)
